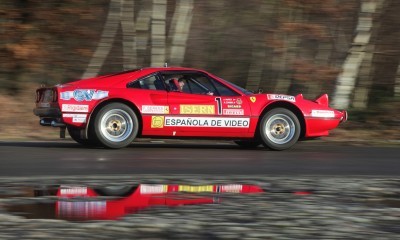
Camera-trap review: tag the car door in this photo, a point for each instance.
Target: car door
(204, 107)
(150, 96)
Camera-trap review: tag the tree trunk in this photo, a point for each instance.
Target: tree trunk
(142, 32)
(259, 49)
(179, 31)
(365, 76)
(347, 78)
(291, 43)
(158, 31)
(128, 34)
(106, 41)
(387, 57)
(397, 84)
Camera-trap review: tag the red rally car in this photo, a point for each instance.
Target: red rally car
(176, 102)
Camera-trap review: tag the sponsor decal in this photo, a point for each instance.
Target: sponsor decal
(188, 188)
(74, 108)
(206, 122)
(152, 188)
(281, 97)
(232, 100)
(74, 191)
(233, 111)
(155, 109)
(84, 95)
(157, 121)
(81, 209)
(323, 113)
(197, 109)
(231, 188)
(253, 99)
(76, 118)
(234, 106)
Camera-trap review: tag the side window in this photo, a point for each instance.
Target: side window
(150, 82)
(223, 90)
(209, 86)
(205, 82)
(196, 83)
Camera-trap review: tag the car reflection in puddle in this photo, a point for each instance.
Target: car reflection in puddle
(79, 203)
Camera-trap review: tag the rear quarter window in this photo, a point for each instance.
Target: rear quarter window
(150, 82)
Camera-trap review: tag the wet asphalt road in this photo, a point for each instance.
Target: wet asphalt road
(186, 157)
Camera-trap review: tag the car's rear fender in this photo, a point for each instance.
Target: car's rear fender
(288, 105)
(113, 100)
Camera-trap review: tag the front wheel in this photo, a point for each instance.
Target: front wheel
(279, 129)
(116, 125)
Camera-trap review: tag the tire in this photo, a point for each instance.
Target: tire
(279, 129)
(75, 134)
(248, 143)
(115, 191)
(115, 125)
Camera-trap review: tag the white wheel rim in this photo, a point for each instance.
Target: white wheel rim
(280, 129)
(116, 125)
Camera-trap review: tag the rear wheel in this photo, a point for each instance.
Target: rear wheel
(75, 134)
(116, 191)
(116, 125)
(279, 129)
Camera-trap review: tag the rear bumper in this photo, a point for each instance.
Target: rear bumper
(49, 117)
(47, 112)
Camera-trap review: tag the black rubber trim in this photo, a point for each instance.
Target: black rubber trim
(47, 112)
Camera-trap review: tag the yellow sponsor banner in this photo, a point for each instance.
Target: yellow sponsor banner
(157, 121)
(197, 109)
(188, 188)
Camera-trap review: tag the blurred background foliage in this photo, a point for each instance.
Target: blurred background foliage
(347, 48)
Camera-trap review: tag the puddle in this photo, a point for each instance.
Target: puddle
(80, 203)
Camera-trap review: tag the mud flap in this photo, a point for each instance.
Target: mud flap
(62, 132)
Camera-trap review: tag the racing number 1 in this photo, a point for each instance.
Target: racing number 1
(219, 105)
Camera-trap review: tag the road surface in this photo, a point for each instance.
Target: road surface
(188, 157)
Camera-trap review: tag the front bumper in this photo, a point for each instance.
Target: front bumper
(345, 116)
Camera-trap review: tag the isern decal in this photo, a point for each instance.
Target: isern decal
(206, 122)
(197, 109)
(202, 188)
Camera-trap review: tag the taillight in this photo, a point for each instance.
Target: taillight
(55, 95)
(37, 96)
